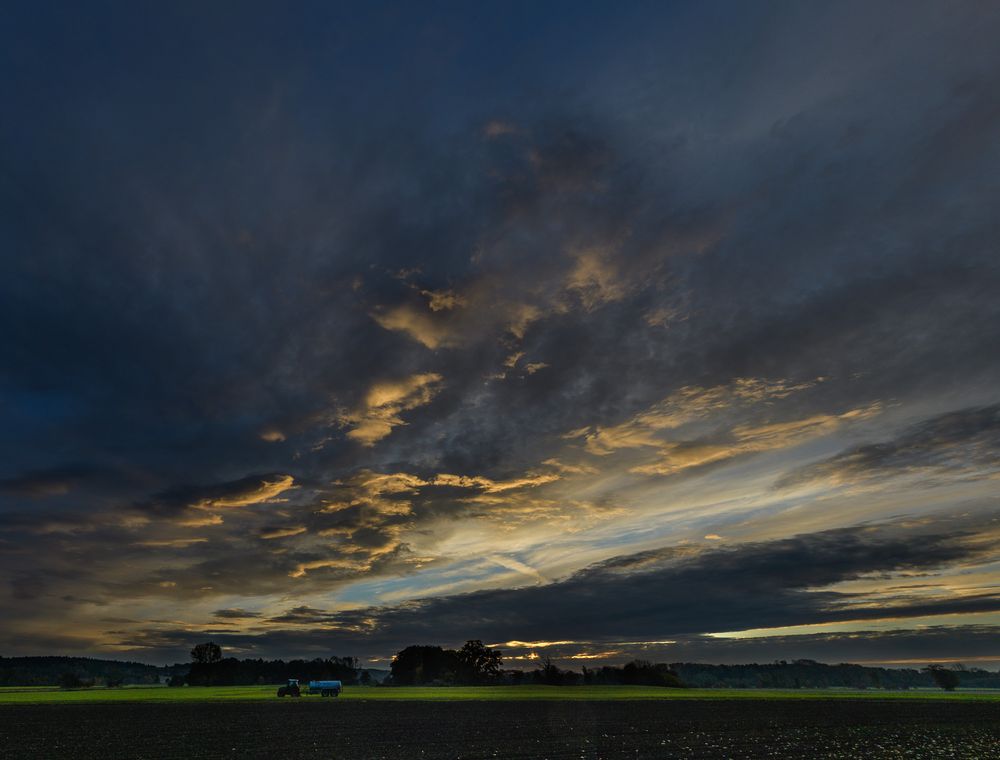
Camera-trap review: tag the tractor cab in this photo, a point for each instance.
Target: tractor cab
(291, 689)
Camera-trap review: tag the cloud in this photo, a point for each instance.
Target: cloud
(235, 614)
(963, 443)
(915, 648)
(496, 128)
(174, 543)
(248, 491)
(418, 324)
(200, 521)
(301, 615)
(244, 493)
(444, 300)
(594, 278)
(63, 480)
(694, 427)
(665, 267)
(285, 532)
(673, 596)
(385, 402)
(486, 485)
(749, 439)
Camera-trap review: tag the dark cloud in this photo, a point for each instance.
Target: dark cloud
(235, 614)
(964, 442)
(56, 481)
(666, 594)
(305, 615)
(657, 595)
(672, 594)
(905, 648)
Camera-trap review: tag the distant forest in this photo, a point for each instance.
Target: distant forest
(473, 664)
(808, 674)
(49, 671)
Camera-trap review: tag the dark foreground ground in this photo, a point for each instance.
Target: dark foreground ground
(583, 730)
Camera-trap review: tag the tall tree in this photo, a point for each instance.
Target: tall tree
(207, 653)
(424, 664)
(478, 662)
(946, 679)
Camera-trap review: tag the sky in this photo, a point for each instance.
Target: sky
(593, 330)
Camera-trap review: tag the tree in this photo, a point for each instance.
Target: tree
(644, 673)
(366, 678)
(70, 681)
(478, 662)
(207, 653)
(946, 679)
(549, 673)
(424, 664)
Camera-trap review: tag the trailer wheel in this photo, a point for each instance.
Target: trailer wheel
(281, 692)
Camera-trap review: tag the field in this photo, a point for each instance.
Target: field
(515, 722)
(53, 695)
(554, 729)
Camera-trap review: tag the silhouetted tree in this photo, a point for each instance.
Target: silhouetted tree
(424, 665)
(207, 653)
(70, 681)
(549, 673)
(643, 673)
(478, 663)
(946, 679)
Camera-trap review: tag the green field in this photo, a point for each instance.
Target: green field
(42, 695)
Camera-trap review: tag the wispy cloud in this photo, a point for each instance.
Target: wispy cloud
(385, 402)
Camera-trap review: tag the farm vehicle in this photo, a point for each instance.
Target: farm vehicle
(323, 688)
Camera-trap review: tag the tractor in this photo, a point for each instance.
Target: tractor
(291, 689)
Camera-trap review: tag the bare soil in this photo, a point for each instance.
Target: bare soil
(343, 730)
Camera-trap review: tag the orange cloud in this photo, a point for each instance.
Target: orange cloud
(385, 402)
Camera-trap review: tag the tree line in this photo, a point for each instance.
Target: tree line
(476, 664)
(74, 672)
(809, 674)
(209, 668)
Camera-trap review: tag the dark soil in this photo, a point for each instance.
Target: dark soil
(581, 730)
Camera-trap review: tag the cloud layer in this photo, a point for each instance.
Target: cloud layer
(492, 328)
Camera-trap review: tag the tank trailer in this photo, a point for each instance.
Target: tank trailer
(323, 688)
